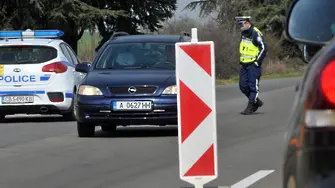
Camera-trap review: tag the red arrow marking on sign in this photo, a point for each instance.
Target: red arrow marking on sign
(201, 54)
(193, 111)
(204, 166)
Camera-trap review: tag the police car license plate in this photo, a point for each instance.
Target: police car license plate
(132, 105)
(17, 99)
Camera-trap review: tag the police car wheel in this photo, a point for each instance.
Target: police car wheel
(85, 130)
(70, 116)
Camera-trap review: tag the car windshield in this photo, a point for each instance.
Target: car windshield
(144, 55)
(26, 54)
(313, 20)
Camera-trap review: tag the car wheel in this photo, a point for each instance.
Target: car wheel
(108, 128)
(2, 117)
(85, 130)
(70, 116)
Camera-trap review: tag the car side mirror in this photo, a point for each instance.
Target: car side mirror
(309, 51)
(83, 67)
(303, 26)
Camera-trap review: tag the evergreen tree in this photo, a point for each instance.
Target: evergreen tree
(147, 14)
(267, 15)
(70, 16)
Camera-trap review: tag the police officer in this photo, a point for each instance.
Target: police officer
(252, 52)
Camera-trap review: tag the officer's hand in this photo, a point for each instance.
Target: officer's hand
(256, 63)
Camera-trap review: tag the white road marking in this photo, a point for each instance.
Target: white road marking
(246, 182)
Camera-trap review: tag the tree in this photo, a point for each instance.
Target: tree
(75, 16)
(19, 14)
(268, 15)
(147, 14)
(70, 16)
(206, 6)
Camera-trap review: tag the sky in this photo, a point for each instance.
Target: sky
(193, 14)
(180, 12)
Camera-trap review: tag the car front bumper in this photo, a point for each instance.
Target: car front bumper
(96, 109)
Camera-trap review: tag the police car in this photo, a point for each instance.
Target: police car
(37, 73)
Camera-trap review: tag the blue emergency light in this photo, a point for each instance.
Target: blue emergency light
(32, 34)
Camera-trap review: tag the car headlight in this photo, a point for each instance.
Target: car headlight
(171, 90)
(89, 90)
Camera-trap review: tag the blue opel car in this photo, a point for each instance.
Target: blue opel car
(131, 81)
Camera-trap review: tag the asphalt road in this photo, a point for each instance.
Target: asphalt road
(46, 152)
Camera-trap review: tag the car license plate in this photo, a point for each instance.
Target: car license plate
(17, 99)
(132, 105)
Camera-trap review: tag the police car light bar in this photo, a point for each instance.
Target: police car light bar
(32, 34)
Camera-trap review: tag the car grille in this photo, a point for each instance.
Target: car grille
(139, 90)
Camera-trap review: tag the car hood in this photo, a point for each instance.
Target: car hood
(130, 77)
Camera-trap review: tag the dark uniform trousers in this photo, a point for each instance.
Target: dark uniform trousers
(249, 81)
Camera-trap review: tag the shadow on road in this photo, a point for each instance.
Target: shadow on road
(128, 132)
(31, 119)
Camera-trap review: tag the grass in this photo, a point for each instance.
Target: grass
(272, 68)
(235, 79)
(86, 46)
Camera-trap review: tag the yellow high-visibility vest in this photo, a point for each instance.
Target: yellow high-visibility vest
(248, 50)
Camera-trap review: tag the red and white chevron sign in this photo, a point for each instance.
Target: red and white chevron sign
(195, 73)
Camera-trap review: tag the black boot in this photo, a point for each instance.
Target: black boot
(249, 110)
(258, 104)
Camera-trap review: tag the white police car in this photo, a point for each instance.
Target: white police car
(37, 73)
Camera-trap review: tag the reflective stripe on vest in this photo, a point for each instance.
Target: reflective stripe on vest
(258, 31)
(248, 50)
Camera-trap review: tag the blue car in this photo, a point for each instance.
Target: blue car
(130, 82)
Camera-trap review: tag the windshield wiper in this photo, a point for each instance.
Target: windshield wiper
(137, 67)
(114, 68)
(141, 67)
(160, 67)
(144, 67)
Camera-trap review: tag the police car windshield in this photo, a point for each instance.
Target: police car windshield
(146, 55)
(26, 54)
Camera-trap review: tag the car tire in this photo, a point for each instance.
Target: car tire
(108, 128)
(70, 116)
(85, 129)
(2, 117)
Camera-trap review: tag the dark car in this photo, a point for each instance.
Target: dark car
(309, 160)
(130, 82)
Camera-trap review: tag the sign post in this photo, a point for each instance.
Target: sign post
(197, 137)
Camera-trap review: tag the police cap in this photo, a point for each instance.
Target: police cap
(241, 19)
